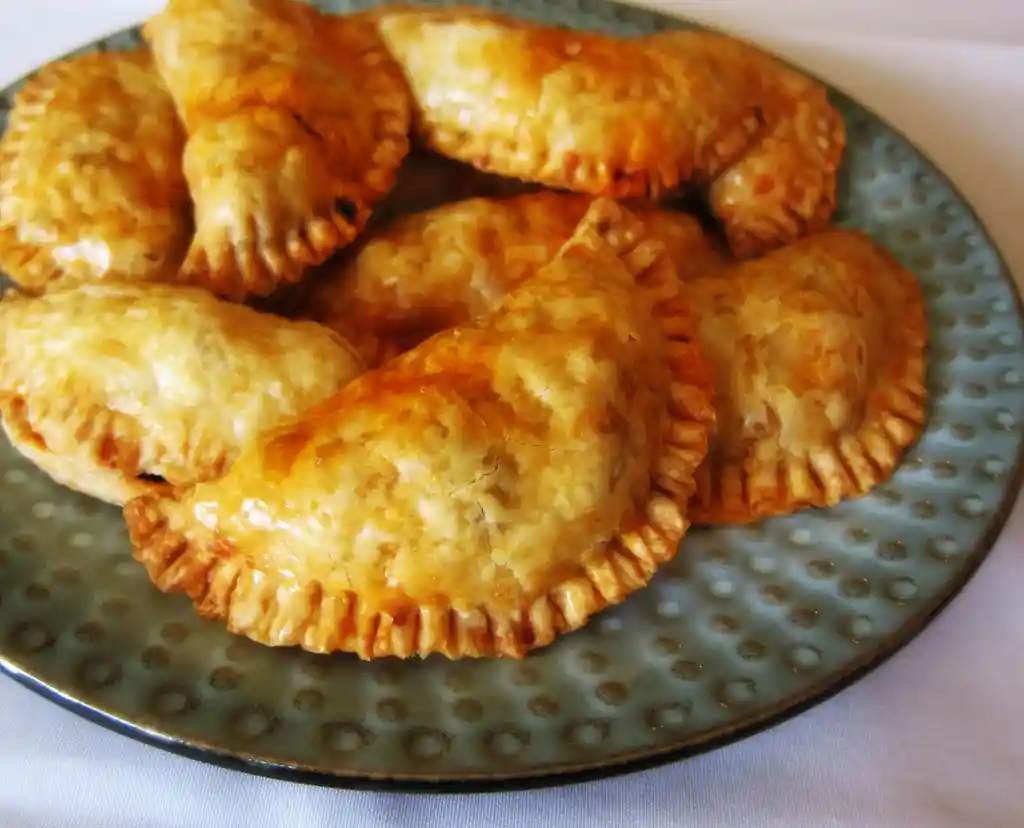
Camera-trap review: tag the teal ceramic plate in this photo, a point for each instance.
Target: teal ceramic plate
(746, 627)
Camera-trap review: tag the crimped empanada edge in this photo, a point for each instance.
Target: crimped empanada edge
(857, 462)
(106, 443)
(322, 234)
(226, 586)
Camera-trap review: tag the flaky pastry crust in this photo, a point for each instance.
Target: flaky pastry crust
(296, 124)
(624, 117)
(444, 267)
(91, 184)
(819, 354)
(483, 493)
(114, 389)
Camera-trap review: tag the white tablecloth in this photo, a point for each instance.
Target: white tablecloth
(934, 738)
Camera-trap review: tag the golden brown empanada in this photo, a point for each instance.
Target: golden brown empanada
(818, 350)
(91, 185)
(441, 268)
(625, 116)
(109, 386)
(296, 124)
(481, 494)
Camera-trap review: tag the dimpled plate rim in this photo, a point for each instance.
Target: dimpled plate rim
(68, 696)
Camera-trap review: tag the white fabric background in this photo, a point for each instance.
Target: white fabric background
(935, 738)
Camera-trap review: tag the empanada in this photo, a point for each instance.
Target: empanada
(296, 124)
(625, 116)
(109, 386)
(91, 185)
(479, 495)
(819, 354)
(441, 268)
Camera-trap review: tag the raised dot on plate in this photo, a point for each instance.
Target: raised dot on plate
(924, 509)
(172, 700)
(345, 737)
(31, 638)
(612, 692)
(1006, 340)
(89, 632)
(589, 733)
(308, 700)
(225, 678)
(525, 674)
(805, 617)
(506, 741)
(457, 678)
(669, 715)
(902, 589)
(81, 540)
(943, 547)
(804, 657)
(1003, 418)
(670, 609)
(469, 710)
(971, 506)
(962, 431)
(663, 645)
(543, 706)
(391, 710)
(724, 624)
(801, 537)
(721, 588)
(890, 496)
(611, 624)
(15, 477)
(859, 627)
(751, 650)
(774, 594)
(66, 575)
(37, 592)
(737, 691)
(999, 306)
(116, 606)
(153, 658)
(97, 672)
(685, 669)
(992, 467)
(254, 722)
(173, 633)
(893, 551)
(762, 564)
(43, 511)
(1011, 378)
(855, 587)
(426, 743)
(592, 662)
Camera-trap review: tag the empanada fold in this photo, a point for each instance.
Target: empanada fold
(274, 239)
(741, 490)
(181, 556)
